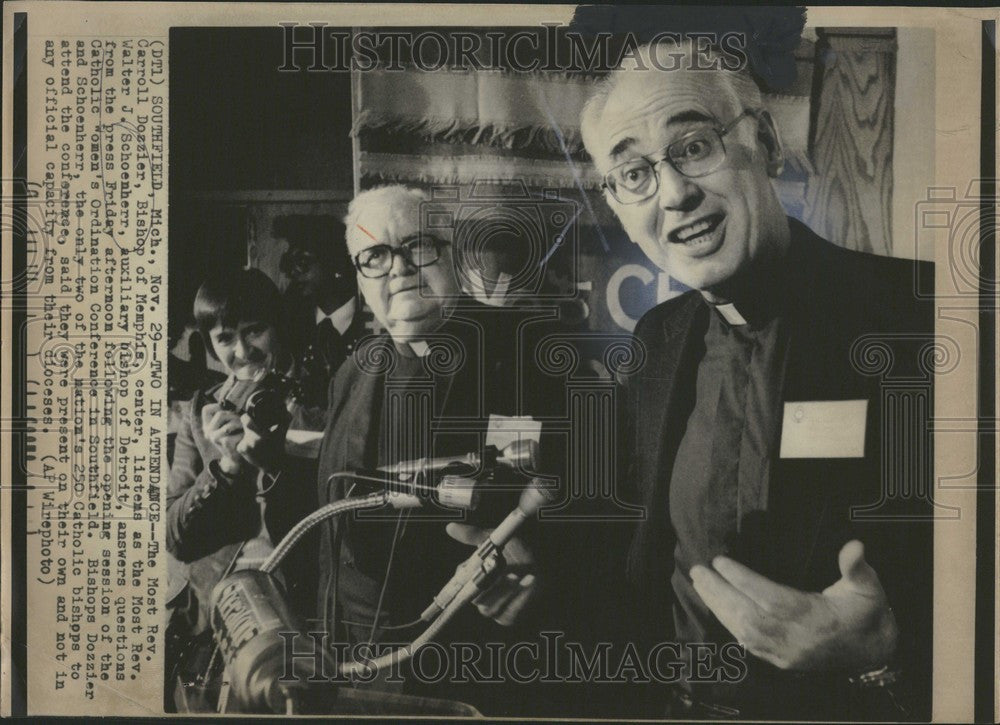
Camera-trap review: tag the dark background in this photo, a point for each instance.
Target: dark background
(247, 142)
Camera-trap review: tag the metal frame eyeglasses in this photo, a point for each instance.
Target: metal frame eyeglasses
(695, 154)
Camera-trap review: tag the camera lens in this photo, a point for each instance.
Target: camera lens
(266, 409)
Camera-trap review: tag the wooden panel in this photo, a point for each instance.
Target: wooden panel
(849, 199)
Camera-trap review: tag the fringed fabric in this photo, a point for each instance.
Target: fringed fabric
(535, 173)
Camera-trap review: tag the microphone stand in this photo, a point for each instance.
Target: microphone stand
(473, 576)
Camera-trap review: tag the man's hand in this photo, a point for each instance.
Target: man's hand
(517, 587)
(224, 430)
(848, 626)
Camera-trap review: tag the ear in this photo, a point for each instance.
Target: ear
(770, 142)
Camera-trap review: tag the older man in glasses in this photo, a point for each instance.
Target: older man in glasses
(428, 386)
(756, 430)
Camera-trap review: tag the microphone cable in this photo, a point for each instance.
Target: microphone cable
(385, 577)
(330, 510)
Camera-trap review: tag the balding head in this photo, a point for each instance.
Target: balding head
(650, 127)
(642, 75)
(385, 211)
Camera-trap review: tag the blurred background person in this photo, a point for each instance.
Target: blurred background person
(321, 298)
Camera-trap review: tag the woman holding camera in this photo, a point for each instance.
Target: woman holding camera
(233, 491)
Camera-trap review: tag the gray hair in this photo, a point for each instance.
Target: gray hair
(383, 196)
(739, 86)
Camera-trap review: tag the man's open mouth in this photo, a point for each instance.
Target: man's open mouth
(696, 231)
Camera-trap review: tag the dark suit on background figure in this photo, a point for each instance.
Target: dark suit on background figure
(321, 342)
(321, 299)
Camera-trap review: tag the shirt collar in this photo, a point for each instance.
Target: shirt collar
(342, 317)
(731, 314)
(763, 294)
(411, 348)
(420, 348)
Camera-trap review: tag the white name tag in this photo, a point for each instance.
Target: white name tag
(824, 429)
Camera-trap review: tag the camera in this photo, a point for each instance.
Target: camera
(265, 398)
(503, 236)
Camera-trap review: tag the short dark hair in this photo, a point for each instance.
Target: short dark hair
(323, 235)
(227, 298)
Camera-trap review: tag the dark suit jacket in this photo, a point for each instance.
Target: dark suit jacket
(855, 332)
(317, 366)
(472, 374)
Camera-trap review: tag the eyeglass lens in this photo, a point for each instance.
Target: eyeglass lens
(696, 154)
(377, 261)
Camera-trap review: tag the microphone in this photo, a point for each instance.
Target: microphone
(532, 499)
(413, 491)
(518, 455)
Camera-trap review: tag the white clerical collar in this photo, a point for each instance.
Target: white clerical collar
(419, 347)
(730, 314)
(340, 317)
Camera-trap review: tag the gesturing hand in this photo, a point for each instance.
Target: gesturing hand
(515, 589)
(849, 625)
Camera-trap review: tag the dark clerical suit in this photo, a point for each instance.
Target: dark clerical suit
(712, 416)
(392, 402)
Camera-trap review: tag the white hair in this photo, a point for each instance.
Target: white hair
(739, 86)
(385, 197)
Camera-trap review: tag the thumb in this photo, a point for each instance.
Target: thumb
(853, 566)
(466, 534)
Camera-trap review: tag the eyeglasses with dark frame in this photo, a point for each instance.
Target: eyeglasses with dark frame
(695, 154)
(422, 250)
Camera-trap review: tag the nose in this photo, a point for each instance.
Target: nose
(242, 348)
(401, 264)
(248, 352)
(677, 192)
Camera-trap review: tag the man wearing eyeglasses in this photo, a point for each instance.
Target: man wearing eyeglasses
(426, 387)
(755, 439)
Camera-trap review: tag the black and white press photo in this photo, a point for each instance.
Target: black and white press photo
(593, 363)
(661, 258)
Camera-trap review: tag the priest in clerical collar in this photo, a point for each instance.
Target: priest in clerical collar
(413, 391)
(751, 538)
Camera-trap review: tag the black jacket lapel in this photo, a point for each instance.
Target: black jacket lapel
(663, 394)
